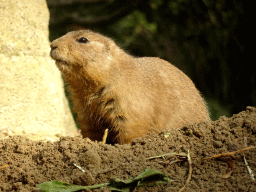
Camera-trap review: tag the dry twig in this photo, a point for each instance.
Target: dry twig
(226, 158)
(232, 154)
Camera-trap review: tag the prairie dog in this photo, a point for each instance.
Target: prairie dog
(130, 96)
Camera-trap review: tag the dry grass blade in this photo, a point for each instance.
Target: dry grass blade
(180, 157)
(4, 166)
(105, 136)
(163, 156)
(245, 161)
(189, 172)
(249, 170)
(80, 168)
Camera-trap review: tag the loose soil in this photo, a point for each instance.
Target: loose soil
(25, 163)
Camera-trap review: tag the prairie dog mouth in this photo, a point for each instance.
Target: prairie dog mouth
(54, 55)
(59, 60)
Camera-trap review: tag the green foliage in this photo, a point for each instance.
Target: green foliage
(216, 109)
(154, 4)
(128, 28)
(147, 177)
(176, 6)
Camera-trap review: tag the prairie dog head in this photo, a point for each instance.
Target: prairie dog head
(84, 51)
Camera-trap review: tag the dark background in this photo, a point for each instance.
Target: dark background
(210, 41)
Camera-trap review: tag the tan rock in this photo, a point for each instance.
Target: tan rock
(32, 100)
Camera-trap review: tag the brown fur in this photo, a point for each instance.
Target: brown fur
(130, 96)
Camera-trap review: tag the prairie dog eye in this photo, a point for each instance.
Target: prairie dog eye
(83, 40)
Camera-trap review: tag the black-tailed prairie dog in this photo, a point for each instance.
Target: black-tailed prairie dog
(130, 96)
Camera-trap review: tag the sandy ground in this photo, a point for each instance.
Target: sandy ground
(25, 163)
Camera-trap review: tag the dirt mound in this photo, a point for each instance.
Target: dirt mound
(25, 163)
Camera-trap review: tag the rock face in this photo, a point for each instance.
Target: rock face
(31, 89)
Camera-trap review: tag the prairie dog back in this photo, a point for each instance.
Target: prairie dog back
(130, 96)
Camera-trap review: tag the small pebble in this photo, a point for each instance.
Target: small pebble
(217, 144)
